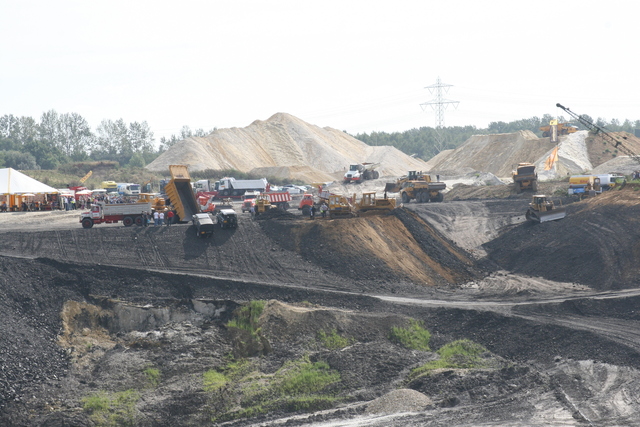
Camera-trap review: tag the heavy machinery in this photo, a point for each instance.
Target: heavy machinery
(180, 192)
(563, 129)
(525, 177)
(204, 224)
(158, 203)
(617, 141)
(542, 209)
(585, 185)
(372, 205)
(261, 205)
(418, 186)
(128, 213)
(361, 171)
(340, 207)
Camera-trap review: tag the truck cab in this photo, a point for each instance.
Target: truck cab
(128, 189)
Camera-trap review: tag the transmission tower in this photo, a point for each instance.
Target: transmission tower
(439, 103)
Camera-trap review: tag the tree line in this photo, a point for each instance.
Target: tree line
(57, 139)
(426, 142)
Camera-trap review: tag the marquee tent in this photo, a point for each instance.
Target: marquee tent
(13, 182)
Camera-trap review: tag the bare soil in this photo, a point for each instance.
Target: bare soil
(556, 305)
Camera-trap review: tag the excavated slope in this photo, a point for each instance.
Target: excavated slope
(283, 146)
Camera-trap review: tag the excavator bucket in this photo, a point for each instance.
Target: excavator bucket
(390, 187)
(551, 215)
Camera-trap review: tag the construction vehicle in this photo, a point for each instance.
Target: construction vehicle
(542, 209)
(247, 200)
(372, 205)
(158, 203)
(418, 186)
(180, 193)
(279, 199)
(618, 142)
(261, 204)
(525, 177)
(563, 129)
(204, 224)
(340, 207)
(227, 218)
(128, 189)
(110, 186)
(230, 187)
(128, 213)
(361, 171)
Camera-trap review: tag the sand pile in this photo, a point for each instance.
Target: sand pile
(286, 147)
(579, 152)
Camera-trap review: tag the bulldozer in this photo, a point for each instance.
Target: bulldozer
(525, 177)
(340, 207)
(542, 209)
(261, 205)
(418, 186)
(372, 205)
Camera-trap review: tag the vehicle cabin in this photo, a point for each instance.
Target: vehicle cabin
(227, 218)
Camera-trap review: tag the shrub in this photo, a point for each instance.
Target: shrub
(414, 337)
(213, 380)
(246, 317)
(306, 377)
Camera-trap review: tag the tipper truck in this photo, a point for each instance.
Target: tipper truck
(418, 186)
(180, 193)
(525, 177)
(128, 213)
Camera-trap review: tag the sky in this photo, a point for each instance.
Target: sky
(357, 66)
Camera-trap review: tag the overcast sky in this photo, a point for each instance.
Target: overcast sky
(358, 66)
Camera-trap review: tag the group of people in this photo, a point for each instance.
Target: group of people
(323, 210)
(635, 175)
(158, 218)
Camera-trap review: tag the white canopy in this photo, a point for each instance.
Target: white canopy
(14, 182)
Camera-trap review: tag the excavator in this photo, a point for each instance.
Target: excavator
(542, 209)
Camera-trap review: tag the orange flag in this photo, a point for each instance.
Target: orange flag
(553, 157)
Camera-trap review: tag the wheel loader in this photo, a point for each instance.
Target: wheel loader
(418, 186)
(542, 209)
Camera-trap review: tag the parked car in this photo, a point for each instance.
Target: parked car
(227, 218)
(204, 225)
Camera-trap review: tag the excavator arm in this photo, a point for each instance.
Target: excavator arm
(617, 141)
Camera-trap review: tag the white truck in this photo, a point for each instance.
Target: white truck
(360, 171)
(128, 213)
(231, 187)
(128, 189)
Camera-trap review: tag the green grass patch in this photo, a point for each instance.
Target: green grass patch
(460, 354)
(112, 409)
(333, 341)
(299, 385)
(414, 336)
(153, 376)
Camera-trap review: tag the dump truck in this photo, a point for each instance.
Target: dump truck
(525, 177)
(128, 213)
(180, 193)
(361, 171)
(418, 186)
(279, 199)
(542, 209)
(563, 129)
(370, 204)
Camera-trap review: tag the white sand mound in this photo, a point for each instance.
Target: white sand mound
(573, 158)
(283, 145)
(401, 400)
(622, 164)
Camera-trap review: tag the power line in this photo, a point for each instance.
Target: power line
(439, 104)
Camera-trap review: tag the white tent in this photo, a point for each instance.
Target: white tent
(13, 182)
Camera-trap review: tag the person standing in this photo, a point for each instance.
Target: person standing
(156, 218)
(161, 219)
(145, 219)
(170, 216)
(312, 211)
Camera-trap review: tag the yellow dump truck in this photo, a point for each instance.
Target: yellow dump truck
(525, 177)
(180, 193)
(418, 186)
(563, 129)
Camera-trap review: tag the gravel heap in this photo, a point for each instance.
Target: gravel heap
(401, 400)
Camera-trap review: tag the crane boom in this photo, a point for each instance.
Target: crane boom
(617, 141)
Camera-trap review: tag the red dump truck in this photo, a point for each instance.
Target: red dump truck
(128, 213)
